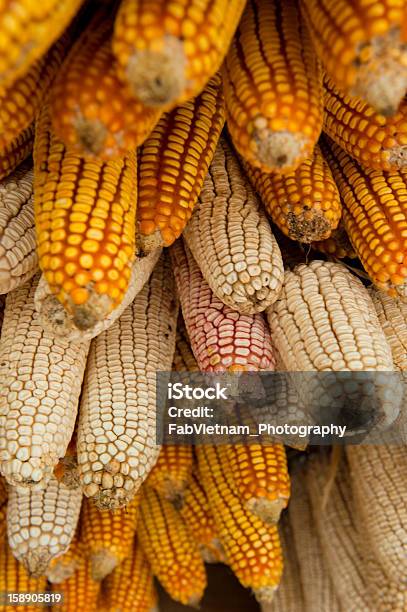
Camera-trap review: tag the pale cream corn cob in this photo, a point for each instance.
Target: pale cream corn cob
(170, 475)
(392, 314)
(79, 592)
(184, 360)
(16, 152)
(62, 567)
(41, 381)
(41, 524)
(18, 254)
(117, 420)
(54, 318)
(231, 239)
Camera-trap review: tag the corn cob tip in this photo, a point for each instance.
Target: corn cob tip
(103, 563)
(155, 77)
(280, 150)
(309, 225)
(52, 315)
(398, 156)
(36, 561)
(264, 595)
(147, 243)
(60, 572)
(108, 499)
(91, 134)
(97, 308)
(268, 510)
(67, 472)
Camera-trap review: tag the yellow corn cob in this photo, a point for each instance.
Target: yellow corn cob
(41, 382)
(16, 152)
(108, 536)
(66, 471)
(80, 591)
(337, 245)
(196, 513)
(273, 87)
(92, 111)
(54, 318)
(117, 425)
(130, 587)
(167, 52)
(85, 221)
(18, 254)
(392, 316)
(3, 507)
(260, 475)
(14, 578)
(184, 360)
(170, 549)
(363, 47)
(252, 548)
(304, 204)
(231, 239)
(173, 163)
(63, 567)
(375, 218)
(41, 524)
(169, 476)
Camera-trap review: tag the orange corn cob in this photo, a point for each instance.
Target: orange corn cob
(63, 567)
(173, 163)
(304, 204)
(273, 87)
(337, 245)
(92, 111)
(16, 152)
(370, 138)
(169, 476)
(14, 578)
(108, 536)
(85, 221)
(167, 51)
(374, 216)
(252, 547)
(170, 549)
(363, 47)
(80, 591)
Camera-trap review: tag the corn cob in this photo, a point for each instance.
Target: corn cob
(184, 360)
(231, 240)
(108, 536)
(196, 514)
(173, 163)
(130, 587)
(381, 504)
(92, 111)
(41, 381)
(41, 524)
(16, 152)
(273, 87)
(392, 316)
(3, 508)
(363, 47)
(2, 306)
(85, 221)
(304, 204)
(221, 338)
(337, 245)
(66, 471)
(168, 52)
(117, 425)
(170, 549)
(169, 476)
(252, 548)
(14, 578)
(54, 318)
(18, 256)
(80, 591)
(374, 216)
(260, 475)
(63, 567)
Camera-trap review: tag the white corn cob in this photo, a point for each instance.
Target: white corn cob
(231, 239)
(41, 524)
(41, 381)
(18, 255)
(53, 316)
(117, 423)
(392, 315)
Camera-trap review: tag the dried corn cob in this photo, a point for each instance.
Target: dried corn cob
(170, 549)
(108, 536)
(273, 87)
(169, 477)
(304, 204)
(337, 245)
(221, 338)
(3, 507)
(63, 567)
(80, 591)
(54, 318)
(259, 472)
(85, 221)
(375, 218)
(173, 163)
(41, 524)
(362, 45)
(18, 256)
(2, 306)
(130, 587)
(392, 316)
(381, 504)
(168, 52)
(16, 152)
(92, 111)
(184, 360)
(14, 578)
(231, 239)
(66, 471)
(117, 425)
(252, 548)
(196, 513)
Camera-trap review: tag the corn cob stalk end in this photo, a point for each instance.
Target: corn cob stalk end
(268, 510)
(265, 595)
(103, 563)
(279, 150)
